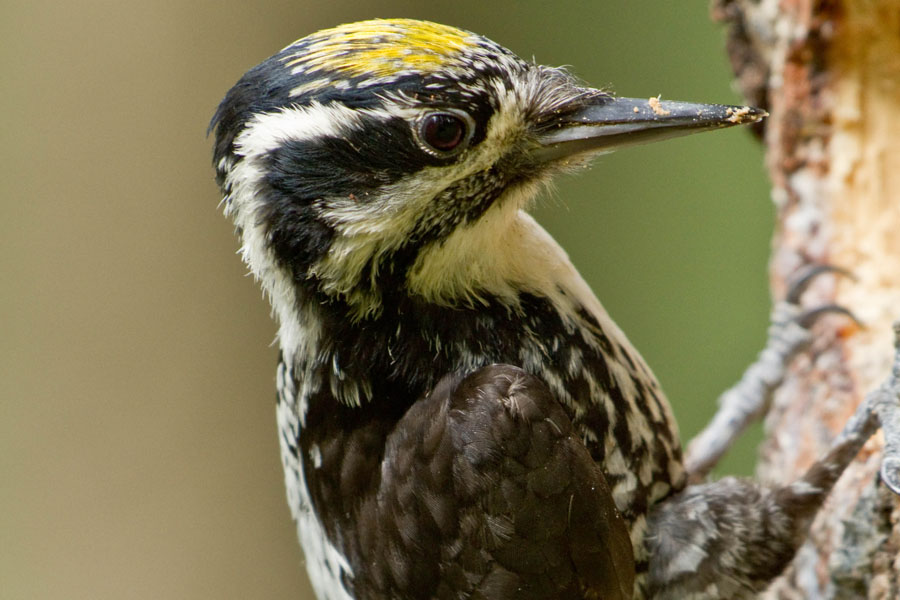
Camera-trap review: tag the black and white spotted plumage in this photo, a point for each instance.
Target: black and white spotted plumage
(343, 445)
(458, 415)
(480, 490)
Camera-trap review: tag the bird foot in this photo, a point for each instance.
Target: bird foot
(790, 332)
(884, 405)
(730, 537)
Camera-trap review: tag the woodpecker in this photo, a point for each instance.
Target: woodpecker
(458, 415)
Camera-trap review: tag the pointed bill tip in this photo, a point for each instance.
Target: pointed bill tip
(612, 122)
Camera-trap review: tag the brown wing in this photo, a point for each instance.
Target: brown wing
(486, 492)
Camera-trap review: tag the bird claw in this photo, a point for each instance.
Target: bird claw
(880, 408)
(788, 312)
(885, 404)
(749, 400)
(791, 324)
(890, 473)
(808, 318)
(798, 286)
(803, 280)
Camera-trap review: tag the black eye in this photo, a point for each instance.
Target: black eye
(443, 132)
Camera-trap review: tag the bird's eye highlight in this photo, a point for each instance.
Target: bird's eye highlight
(444, 133)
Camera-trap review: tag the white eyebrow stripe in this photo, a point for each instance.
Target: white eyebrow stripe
(268, 131)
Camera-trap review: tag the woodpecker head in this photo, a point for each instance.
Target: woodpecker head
(393, 155)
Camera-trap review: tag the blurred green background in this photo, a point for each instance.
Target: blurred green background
(138, 455)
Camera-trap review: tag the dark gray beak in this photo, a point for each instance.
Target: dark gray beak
(608, 123)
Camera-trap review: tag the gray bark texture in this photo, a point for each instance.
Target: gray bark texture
(828, 71)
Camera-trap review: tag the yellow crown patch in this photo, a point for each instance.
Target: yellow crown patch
(379, 49)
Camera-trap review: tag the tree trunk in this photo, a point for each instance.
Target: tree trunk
(828, 71)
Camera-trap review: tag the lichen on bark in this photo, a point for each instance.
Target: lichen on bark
(829, 74)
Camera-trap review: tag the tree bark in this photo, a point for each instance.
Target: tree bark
(828, 71)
